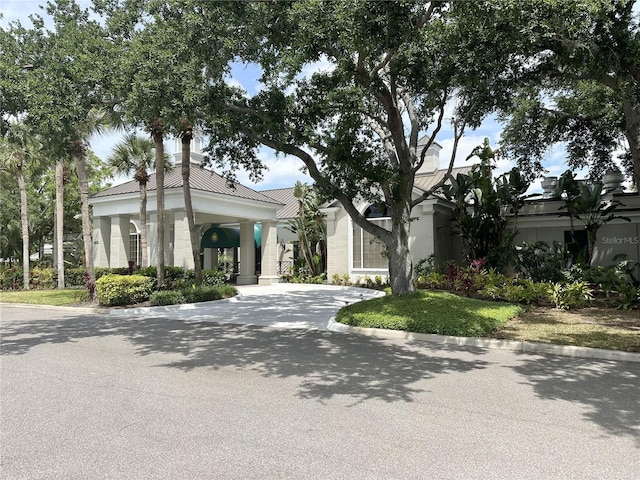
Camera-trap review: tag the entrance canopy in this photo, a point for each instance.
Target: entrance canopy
(228, 237)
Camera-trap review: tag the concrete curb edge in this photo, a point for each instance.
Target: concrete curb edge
(489, 343)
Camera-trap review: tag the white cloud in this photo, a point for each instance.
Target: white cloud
(323, 65)
(283, 171)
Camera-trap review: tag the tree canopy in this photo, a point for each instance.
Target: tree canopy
(581, 86)
(392, 69)
(357, 90)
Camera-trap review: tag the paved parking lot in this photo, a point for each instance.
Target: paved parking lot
(168, 395)
(282, 305)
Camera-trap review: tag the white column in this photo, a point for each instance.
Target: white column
(152, 238)
(247, 255)
(119, 241)
(332, 250)
(210, 258)
(269, 254)
(169, 239)
(101, 241)
(182, 254)
(426, 231)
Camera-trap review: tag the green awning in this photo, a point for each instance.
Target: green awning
(228, 237)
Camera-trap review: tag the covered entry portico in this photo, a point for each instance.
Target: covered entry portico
(214, 202)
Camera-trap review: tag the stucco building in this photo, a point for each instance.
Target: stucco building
(249, 227)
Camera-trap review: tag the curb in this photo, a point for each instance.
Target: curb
(489, 343)
(55, 307)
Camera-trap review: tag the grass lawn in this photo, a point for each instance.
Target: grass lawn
(45, 297)
(448, 314)
(430, 312)
(587, 327)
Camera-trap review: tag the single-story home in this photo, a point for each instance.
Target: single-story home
(247, 229)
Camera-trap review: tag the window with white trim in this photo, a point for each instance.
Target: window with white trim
(367, 249)
(134, 244)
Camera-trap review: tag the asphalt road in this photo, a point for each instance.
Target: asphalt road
(88, 396)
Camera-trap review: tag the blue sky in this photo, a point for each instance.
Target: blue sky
(285, 171)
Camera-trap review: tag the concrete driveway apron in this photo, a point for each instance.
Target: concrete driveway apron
(282, 305)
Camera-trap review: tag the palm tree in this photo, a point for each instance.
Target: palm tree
(135, 155)
(310, 227)
(96, 122)
(58, 223)
(18, 147)
(186, 137)
(157, 130)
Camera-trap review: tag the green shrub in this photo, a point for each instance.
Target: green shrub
(11, 278)
(42, 278)
(305, 278)
(432, 280)
(123, 289)
(628, 295)
(202, 294)
(100, 272)
(193, 295)
(227, 291)
(424, 267)
(540, 262)
(74, 277)
(213, 278)
(166, 297)
(151, 272)
(571, 295)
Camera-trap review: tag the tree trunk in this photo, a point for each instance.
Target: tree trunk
(157, 132)
(632, 132)
(81, 171)
(400, 260)
(24, 220)
(144, 258)
(187, 135)
(59, 224)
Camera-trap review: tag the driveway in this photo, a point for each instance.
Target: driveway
(282, 305)
(86, 396)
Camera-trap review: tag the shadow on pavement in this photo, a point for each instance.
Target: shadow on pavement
(327, 364)
(609, 391)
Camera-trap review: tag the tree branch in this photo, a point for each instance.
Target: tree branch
(322, 181)
(434, 134)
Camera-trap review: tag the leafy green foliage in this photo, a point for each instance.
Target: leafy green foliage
(114, 290)
(585, 201)
(166, 297)
(628, 295)
(483, 206)
(541, 262)
(429, 312)
(576, 65)
(570, 295)
(192, 295)
(310, 228)
(10, 277)
(42, 278)
(356, 124)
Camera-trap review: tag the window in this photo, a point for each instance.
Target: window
(576, 243)
(368, 250)
(134, 245)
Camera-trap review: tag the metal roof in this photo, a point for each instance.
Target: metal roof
(284, 196)
(426, 182)
(199, 179)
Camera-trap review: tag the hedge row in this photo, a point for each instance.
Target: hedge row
(114, 290)
(47, 278)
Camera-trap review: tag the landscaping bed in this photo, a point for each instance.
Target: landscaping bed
(596, 327)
